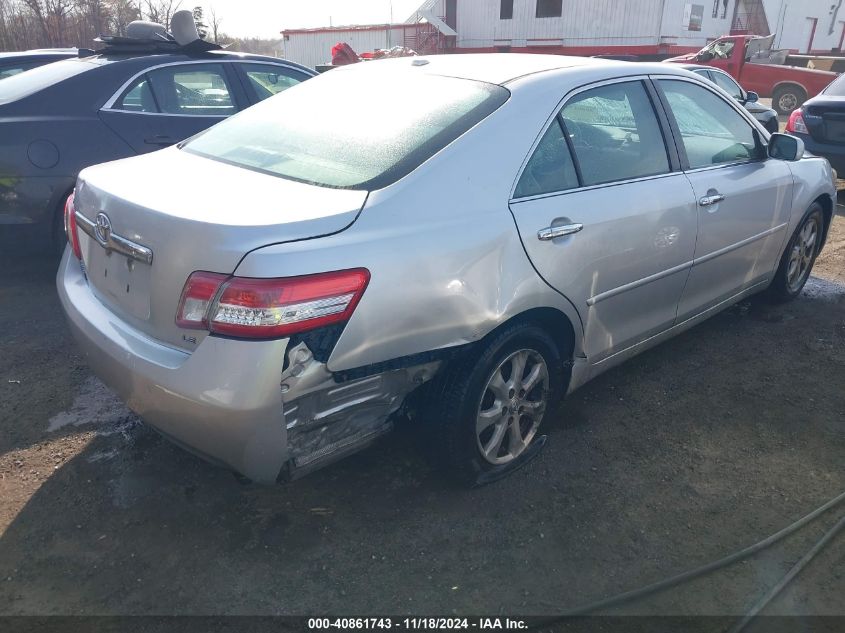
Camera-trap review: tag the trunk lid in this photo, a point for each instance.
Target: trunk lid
(825, 119)
(193, 213)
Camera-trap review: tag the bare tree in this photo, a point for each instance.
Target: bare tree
(160, 10)
(215, 24)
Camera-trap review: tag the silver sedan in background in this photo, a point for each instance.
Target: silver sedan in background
(466, 238)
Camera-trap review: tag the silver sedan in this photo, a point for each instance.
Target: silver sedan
(464, 239)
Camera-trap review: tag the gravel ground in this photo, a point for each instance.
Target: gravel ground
(697, 448)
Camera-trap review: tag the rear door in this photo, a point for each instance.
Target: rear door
(744, 198)
(606, 216)
(169, 103)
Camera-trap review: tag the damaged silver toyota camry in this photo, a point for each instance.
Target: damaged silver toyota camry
(465, 237)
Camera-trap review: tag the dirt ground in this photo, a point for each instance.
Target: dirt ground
(695, 449)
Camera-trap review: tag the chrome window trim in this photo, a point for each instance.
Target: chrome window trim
(561, 104)
(109, 105)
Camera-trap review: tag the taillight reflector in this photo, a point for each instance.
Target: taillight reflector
(269, 308)
(71, 231)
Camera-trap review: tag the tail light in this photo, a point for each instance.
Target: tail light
(796, 123)
(71, 231)
(269, 308)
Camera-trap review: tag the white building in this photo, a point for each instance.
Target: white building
(647, 28)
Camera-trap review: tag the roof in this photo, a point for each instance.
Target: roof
(344, 29)
(495, 68)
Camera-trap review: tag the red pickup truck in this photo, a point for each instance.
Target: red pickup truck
(751, 61)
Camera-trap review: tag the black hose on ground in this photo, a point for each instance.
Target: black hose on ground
(796, 569)
(627, 596)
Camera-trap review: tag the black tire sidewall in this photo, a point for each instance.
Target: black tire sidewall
(779, 92)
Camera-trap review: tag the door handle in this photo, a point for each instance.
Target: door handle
(709, 201)
(552, 232)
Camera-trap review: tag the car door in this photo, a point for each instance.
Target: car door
(261, 80)
(172, 102)
(744, 198)
(606, 215)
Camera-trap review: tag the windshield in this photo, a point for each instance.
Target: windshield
(26, 83)
(720, 49)
(351, 129)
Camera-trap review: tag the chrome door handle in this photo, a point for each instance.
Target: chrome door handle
(552, 232)
(709, 201)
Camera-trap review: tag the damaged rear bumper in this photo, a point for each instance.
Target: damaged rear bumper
(255, 406)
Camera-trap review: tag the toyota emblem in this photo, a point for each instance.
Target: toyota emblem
(102, 229)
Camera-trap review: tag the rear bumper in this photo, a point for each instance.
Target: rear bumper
(222, 401)
(834, 153)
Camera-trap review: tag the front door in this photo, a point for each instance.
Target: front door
(744, 198)
(605, 218)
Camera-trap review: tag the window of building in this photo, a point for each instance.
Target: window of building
(506, 10)
(549, 8)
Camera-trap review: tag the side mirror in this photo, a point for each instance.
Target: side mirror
(704, 56)
(786, 147)
(752, 97)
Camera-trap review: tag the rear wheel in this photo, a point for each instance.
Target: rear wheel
(490, 405)
(797, 260)
(787, 98)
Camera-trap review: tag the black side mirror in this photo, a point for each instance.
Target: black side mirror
(785, 147)
(752, 97)
(704, 56)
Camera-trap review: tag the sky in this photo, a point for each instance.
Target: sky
(266, 18)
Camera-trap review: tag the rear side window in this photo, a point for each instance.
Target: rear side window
(356, 128)
(187, 89)
(712, 132)
(615, 134)
(550, 167)
(138, 98)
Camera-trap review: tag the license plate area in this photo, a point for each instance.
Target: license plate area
(834, 131)
(120, 281)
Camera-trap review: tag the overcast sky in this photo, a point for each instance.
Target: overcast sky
(265, 18)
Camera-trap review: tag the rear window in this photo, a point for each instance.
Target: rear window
(836, 88)
(27, 83)
(351, 129)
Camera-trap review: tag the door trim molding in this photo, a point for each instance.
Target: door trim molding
(745, 242)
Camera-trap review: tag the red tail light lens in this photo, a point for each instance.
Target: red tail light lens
(270, 308)
(70, 228)
(796, 123)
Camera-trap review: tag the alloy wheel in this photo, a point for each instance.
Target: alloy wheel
(801, 255)
(512, 406)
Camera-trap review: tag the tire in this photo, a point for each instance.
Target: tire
(798, 258)
(787, 98)
(468, 389)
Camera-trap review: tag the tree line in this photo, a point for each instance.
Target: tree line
(28, 24)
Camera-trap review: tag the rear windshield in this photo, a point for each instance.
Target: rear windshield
(836, 88)
(29, 82)
(352, 129)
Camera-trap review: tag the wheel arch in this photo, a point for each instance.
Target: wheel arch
(555, 322)
(827, 206)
